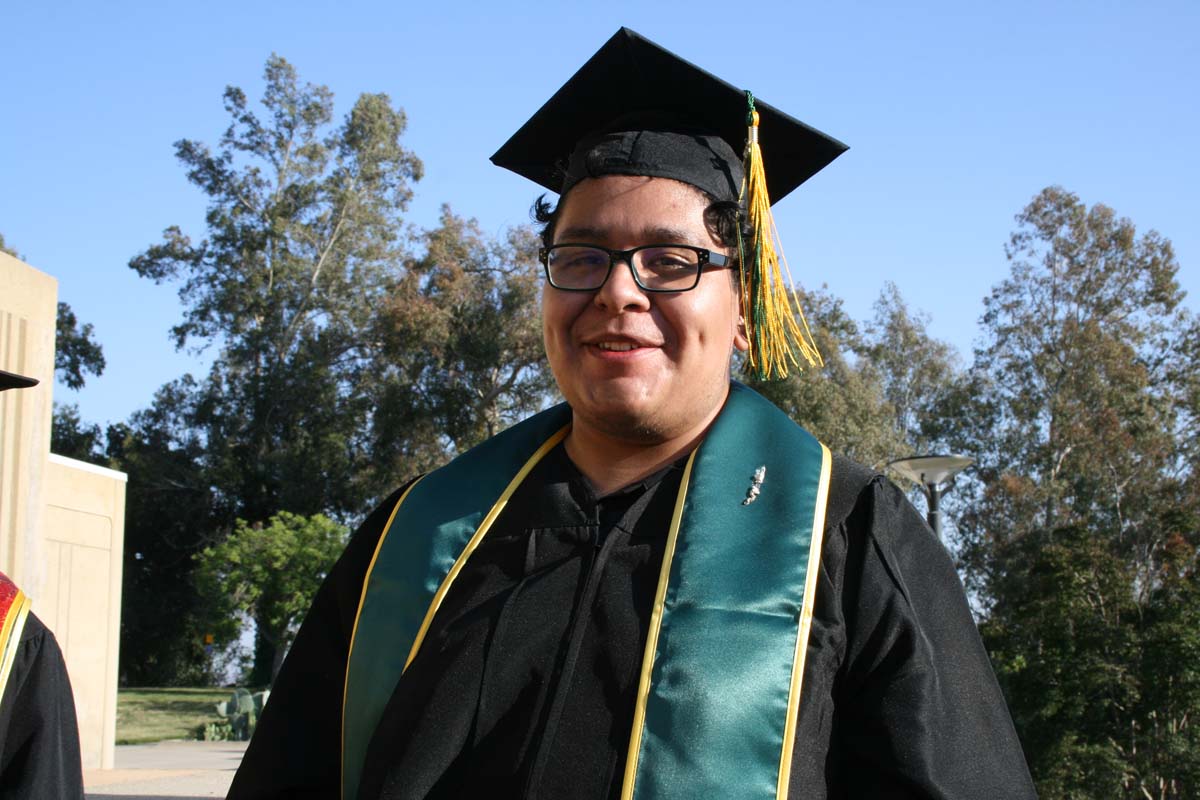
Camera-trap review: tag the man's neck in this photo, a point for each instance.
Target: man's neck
(611, 463)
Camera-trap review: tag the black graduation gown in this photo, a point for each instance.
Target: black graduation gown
(39, 737)
(526, 682)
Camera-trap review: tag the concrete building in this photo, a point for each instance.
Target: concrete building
(62, 521)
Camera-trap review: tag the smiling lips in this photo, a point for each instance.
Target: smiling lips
(619, 348)
(619, 343)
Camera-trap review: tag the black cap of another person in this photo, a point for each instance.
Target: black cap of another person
(637, 109)
(11, 380)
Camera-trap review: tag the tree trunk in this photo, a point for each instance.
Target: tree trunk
(264, 670)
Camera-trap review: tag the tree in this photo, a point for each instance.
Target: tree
(863, 402)
(1075, 527)
(461, 352)
(76, 352)
(4, 248)
(171, 513)
(70, 436)
(304, 226)
(915, 369)
(269, 573)
(303, 241)
(345, 361)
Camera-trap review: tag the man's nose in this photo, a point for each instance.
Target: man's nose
(621, 291)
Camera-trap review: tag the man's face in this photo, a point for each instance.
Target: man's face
(636, 365)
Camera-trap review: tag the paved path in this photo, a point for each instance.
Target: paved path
(164, 770)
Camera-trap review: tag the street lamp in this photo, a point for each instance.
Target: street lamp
(930, 472)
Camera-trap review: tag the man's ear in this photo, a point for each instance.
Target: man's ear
(741, 332)
(741, 337)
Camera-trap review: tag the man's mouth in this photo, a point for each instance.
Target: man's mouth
(617, 347)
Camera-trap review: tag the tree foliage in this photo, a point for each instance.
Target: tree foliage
(1079, 532)
(270, 573)
(304, 237)
(460, 346)
(70, 436)
(4, 248)
(171, 513)
(871, 399)
(350, 351)
(76, 351)
(914, 369)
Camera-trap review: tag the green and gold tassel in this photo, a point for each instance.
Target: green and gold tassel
(777, 327)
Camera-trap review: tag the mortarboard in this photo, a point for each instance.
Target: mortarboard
(631, 79)
(637, 109)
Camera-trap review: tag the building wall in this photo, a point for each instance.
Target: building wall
(62, 522)
(84, 538)
(28, 308)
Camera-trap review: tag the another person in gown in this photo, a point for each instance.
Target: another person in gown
(39, 737)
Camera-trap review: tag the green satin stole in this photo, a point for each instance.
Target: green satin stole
(720, 684)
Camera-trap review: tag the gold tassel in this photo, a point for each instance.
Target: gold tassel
(770, 307)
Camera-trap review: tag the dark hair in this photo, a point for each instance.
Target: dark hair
(723, 218)
(546, 215)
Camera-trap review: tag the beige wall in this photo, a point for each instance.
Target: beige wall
(85, 521)
(62, 522)
(28, 307)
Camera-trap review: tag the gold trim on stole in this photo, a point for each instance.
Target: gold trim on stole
(803, 629)
(806, 617)
(10, 635)
(656, 614)
(362, 598)
(472, 544)
(478, 537)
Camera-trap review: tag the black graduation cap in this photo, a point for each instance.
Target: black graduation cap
(597, 123)
(11, 380)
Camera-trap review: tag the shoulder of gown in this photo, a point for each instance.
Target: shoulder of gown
(296, 748)
(899, 697)
(39, 736)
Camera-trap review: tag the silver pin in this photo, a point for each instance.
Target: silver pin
(755, 489)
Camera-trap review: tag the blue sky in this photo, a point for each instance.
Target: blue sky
(956, 113)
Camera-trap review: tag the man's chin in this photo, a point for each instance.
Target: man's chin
(640, 423)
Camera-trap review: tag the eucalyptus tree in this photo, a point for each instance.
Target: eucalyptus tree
(1079, 536)
(352, 351)
(304, 239)
(461, 342)
(871, 397)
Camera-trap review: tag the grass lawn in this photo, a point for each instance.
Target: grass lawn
(152, 715)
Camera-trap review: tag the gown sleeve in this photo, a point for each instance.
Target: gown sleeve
(902, 701)
(39, 737)
(296, 748)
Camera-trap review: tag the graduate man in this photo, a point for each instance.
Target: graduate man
(663, 588)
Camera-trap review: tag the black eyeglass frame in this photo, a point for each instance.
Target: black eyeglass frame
(704, 258)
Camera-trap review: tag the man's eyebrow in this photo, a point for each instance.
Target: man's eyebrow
(583, 233)
(579, 233)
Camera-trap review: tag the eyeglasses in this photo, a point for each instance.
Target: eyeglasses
(655, 267)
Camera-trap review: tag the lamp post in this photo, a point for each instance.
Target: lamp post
(930, 472)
